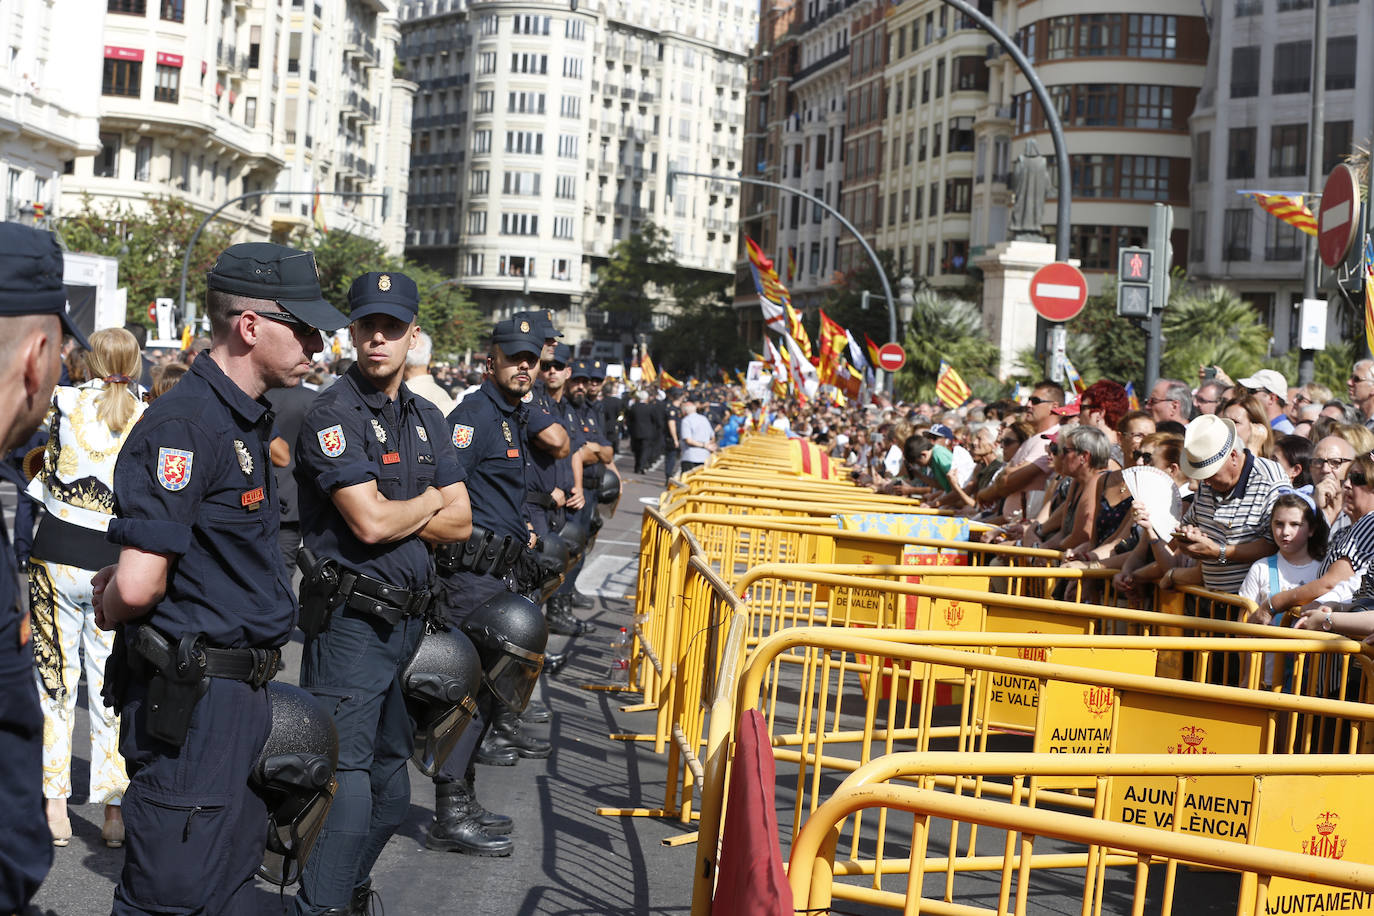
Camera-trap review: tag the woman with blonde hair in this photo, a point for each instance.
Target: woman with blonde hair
(1252, 424)
(87, 426)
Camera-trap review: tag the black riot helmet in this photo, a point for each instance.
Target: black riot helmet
(551, 557)
(576, 534)
(510, 635)
(294, 775)
(608, 492)
(440, 684)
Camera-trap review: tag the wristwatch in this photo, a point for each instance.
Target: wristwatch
(1221, 559)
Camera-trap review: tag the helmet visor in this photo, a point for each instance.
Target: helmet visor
(293, 825)
(437, 730)
(512, 678)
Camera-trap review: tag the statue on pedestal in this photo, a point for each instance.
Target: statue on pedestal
(1030, 186)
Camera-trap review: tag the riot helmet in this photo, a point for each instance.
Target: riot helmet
(510, 635)
(294, 775)
(551, 558)
(440, 684)
(575, 532)
(608, 492)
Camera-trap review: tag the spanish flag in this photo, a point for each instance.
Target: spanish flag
(950, 388)
(872, 349)
(1289, 208)
(317, 213)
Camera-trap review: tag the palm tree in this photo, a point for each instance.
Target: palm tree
(1212, 326)
(946, 329)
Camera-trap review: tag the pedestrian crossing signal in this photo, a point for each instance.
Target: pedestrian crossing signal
(1135, 265)
(1133, 289)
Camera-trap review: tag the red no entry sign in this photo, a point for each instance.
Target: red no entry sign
(1058, 291)
(1336, 219)
(891, 356)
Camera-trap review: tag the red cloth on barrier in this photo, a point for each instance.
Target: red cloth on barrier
(751, 881)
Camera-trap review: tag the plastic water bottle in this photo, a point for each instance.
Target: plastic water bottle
(619, 672)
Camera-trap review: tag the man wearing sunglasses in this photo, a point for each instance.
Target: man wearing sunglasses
(200, 572)
(1022, 480)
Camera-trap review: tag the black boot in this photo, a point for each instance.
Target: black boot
(558, 612)
(495, 755)
(583, 602)
(361, 905)
(534, 710)
(506, 732)
(494, 824)
(553, 663)
(457, 826)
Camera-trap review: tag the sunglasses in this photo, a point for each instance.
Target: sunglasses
(1010, 441)
(1054, 448)
(1357, 478)
(1034, 401)
(291, 321)
(546, 366)
(1143, 457)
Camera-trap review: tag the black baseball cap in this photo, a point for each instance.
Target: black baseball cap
(286, 276)
(518, 335)
(383, 293)
(581, 369)
(541, 320)
(598, 369)
(562, 353)
(31, 276)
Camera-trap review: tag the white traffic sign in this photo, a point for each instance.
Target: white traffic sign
(1336, 217)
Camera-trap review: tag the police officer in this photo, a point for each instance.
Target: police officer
(379, 481)
(551, 477)
(200, 597)
(672, 441)
(490, 434)
(608, 404)
(32, 319)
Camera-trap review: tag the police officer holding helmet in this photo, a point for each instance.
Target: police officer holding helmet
(379, 483)
(200, 596)
(32, 319)
(490, 430)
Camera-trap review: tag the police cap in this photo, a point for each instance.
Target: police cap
(541, 320)
(562, 354)
(380, 292)
(582, 369)
(263, 270)
(596, 369)
(31, 276)
(518, 335)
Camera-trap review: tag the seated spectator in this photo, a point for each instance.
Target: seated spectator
(1342, 412)
(1208, 397)
(1251, 422)
(1227, 527)
(1170, 399)
(1013, 435)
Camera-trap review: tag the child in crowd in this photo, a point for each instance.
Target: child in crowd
(1300, 532)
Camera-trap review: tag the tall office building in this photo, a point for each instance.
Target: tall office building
(544, 134)
(206, 101)
(1251, 131)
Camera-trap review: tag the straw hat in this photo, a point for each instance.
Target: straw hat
(1207, 444)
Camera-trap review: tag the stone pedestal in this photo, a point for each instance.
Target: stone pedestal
(1008, 318)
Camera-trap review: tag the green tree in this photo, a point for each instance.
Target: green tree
(1211, 326)
(1102, 344)
(1331, 367)
(640, 267)
(704, 333)
(944, 328)
(149, 244)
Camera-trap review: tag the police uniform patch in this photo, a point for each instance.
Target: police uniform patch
(245, 459)
(505, 431)
(332, 441)
(462, 435)
(422, 433)
(384, 283)
(527, 397)
(379, 431)
(524, 327)
(174, 468)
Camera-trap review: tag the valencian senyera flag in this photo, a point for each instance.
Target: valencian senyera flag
(950, 388)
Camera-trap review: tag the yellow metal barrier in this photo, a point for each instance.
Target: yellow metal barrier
(1281, 864)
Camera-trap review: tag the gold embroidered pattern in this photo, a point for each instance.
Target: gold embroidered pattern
(47, 641)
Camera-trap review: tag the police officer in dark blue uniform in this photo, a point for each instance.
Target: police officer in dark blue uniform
(32, 319)
(379, 482)
(490, 432)
(550, 472)
(200, 595)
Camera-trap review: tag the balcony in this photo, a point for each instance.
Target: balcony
(627, 93)
(603, 207)
(646, 98)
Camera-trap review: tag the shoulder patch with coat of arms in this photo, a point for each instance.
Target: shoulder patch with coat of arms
(332, 441)
(462, 435)
(174, 468)
(421, 432)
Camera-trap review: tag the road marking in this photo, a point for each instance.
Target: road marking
(609, 576)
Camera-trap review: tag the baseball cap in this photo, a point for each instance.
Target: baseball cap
(541, 320)
(31, 276)
(263, 270)
(518, 335)
(581, 368)
(596, 369)
(1267, 380)
(384, 293)
(562, 353)
(940, 431)
(1070, 408)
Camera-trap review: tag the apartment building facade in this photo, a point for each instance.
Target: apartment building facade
(1251, 130)
(207, 101)
(544, 134)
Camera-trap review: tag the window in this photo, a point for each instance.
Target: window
(1240, 153)
(529, 63)
(250, 112)
(486, 62)
(530, 25)
(1060, 33)
(961, 135)
(519, 224)
(935, 140)
(1282, 242)
(921, 146)
(956, 256)
(562, 227)
(939, 74)
(479, 181)
(485, 101)
(1287, 150)
(107, 161)
(572, 68)
(562, 267)
(565, 187)
(970, 73)
(1095, 105)
(1099, 34)
(576, 29)
(1235, 242)
(515, 265)
(488, 25)
(1093, 175)
(1197, 236)
(1151, 35)
(567, 146)
(174, 10)
(570, 106)
(1145, 178)
(1149, 107)
(122, 77)
(473, 265)
(1202, 155)
(481, 142)
(143, 160)
(1292, 67)
(892, 209)
(1097, 245)
(524, 141)
(1245, 63)
(1336, 144)
(958, 195)
(520, 183)
(525, 103)
(168, 84)
(1340, 62)
(477, 222)
(134, 7)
